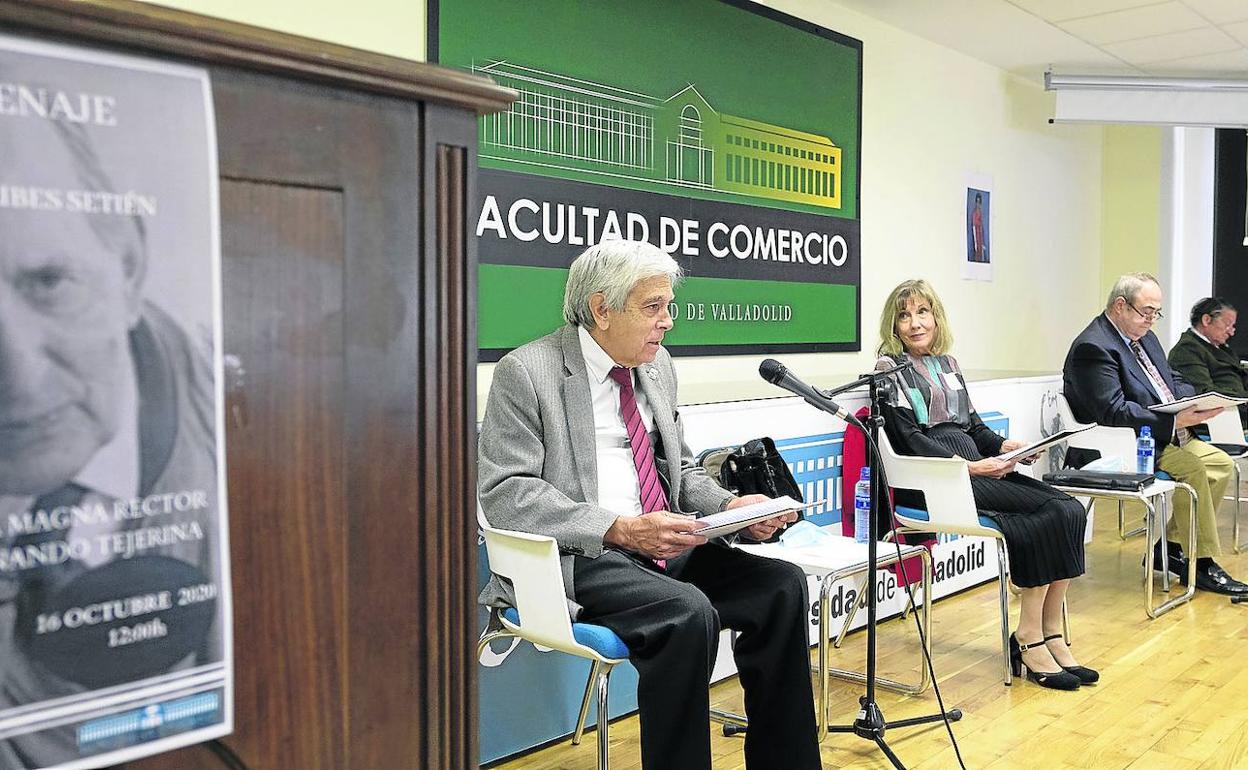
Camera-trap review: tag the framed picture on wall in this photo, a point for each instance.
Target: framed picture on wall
(977, 262)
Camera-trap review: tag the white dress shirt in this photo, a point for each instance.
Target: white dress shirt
(618, 489)
(1157, 386)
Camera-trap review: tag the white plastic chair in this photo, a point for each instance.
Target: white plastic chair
(1120, 442)
(1227, 432)
(946, 485)
(531, 563)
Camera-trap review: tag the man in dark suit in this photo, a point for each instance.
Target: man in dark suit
(582, 442)
(1114, 371)
(1203, 357)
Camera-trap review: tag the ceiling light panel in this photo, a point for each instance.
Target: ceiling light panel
(1238, 30)
(1063, 10)
(1176, 45)
(1135, 23)
(1225, 64)
(1220, 11)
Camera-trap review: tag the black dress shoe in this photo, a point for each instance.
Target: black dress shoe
(1086, 675)
(1215, 580)
(1055, 680)
(1172, 548)
(1177, 564)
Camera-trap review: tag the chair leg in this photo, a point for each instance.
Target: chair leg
(1009, 577)
(860, 600)
(1065, 624)
(1235, 546)
(910, 605)
(1004, 598)
(1164, 513)
(594, 670)
(491, 636)
(1123, 532)
(906, 608)
(604, 678)
(1163, 503)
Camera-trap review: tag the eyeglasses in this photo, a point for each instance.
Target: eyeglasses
(1148, 313)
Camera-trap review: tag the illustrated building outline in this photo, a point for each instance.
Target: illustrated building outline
(592, 128)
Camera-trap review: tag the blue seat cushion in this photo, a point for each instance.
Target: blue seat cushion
(919, 514)
(600, 639)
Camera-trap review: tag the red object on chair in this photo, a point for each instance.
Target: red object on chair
(853, 458)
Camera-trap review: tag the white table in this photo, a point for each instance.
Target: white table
(1154, 531)
(839, 558)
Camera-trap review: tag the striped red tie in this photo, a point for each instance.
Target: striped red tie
(653, 498)
(1182, 434)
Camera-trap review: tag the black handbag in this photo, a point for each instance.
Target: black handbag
(755, 467)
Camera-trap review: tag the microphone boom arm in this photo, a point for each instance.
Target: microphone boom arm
(867, 379)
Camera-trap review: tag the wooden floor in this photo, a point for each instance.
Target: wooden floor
(1173, 692)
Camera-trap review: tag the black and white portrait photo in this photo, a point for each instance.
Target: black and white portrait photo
(113, 573)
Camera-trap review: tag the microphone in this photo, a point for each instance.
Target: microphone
(778, 374)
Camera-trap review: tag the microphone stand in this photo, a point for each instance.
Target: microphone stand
(870, 722)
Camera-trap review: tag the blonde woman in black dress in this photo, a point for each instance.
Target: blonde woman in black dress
(931, 415)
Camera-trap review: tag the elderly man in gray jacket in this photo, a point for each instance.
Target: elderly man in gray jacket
(582, 442)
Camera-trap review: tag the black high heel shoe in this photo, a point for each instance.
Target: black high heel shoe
(1057, 680)
(1086, 675)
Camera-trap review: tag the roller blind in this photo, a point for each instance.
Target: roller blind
(1154, 101)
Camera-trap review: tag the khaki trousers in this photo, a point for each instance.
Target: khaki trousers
(1208, 470)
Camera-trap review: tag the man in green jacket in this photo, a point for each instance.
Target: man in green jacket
(1203, 357)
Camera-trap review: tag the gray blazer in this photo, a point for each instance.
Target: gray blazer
(537, 456)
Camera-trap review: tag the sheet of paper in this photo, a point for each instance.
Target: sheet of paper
(1043, 443)
(727, 522)
(1203, 401)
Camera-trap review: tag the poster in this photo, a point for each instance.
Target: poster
(114, 577)
(977, 264)
(742, 161)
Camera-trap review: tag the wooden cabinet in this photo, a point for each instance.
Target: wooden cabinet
(349, 306)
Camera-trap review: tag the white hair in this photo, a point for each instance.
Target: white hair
(1128, 287)
(612, 267)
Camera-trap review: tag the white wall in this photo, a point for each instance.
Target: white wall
(1185, 265)
(932, 116)
(393, 27)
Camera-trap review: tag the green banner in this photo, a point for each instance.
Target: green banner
(724, 132)
(707, 311)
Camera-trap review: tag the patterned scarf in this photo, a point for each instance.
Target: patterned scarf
(933, 389)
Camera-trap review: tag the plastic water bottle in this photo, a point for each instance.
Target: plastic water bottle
(1144, 451)
(862, 506)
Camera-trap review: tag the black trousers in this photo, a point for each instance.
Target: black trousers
(671, 624)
